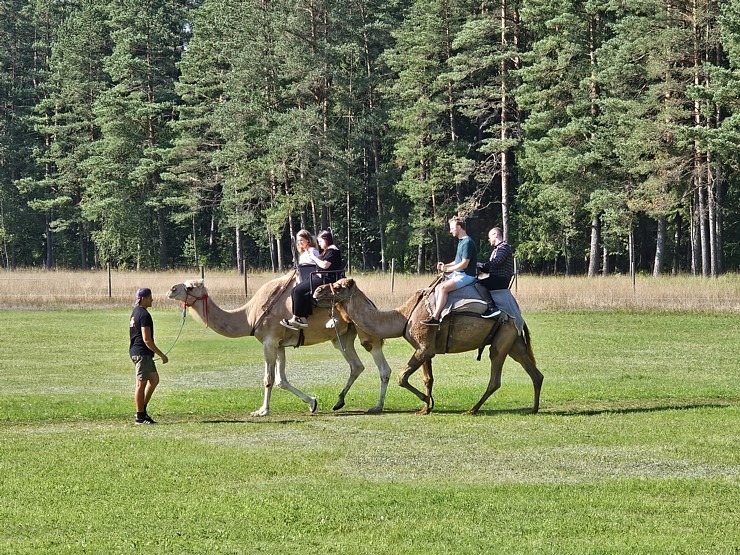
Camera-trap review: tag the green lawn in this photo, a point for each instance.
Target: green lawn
(635, 449)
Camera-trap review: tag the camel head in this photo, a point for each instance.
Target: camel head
(337, 292)
(188, 292)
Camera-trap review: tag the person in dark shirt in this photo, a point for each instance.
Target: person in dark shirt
(329, 260)
(499, 267)
(142, 350)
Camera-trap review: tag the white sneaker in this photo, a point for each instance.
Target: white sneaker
(331, 323)
(286, 324)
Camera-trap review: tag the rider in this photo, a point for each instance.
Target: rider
(330, 259)
(499, 267)
(462, 269)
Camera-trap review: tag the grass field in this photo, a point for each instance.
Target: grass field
(635, 449)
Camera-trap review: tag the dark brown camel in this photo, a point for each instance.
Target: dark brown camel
(457, 333)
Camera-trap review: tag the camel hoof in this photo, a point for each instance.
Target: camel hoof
(424, 411)
(339, 405)
(313, 406)
(260, 413)
(471, 412)
(375, 410)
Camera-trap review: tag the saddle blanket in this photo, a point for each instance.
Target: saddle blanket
(469, 299)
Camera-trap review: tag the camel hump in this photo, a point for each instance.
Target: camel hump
(272, 291)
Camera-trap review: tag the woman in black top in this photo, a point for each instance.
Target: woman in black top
(331, 261)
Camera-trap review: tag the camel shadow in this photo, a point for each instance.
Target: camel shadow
(584, 411)
(601, 409)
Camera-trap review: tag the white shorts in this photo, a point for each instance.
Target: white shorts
(461, 279)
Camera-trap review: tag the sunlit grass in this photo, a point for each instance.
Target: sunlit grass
(634, 450)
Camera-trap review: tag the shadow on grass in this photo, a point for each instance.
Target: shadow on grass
(621, 409)
(602, 408)
(581, 410)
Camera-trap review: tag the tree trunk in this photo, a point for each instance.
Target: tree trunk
(593, 258)
(348, 248)
(694, 228)
(49, 263)
(676, 266)
(605, 262)
(712, 215)
(659, 248)
(503, 134)
(163, 248)
(719, 182)
(83, 246)
(239, 248)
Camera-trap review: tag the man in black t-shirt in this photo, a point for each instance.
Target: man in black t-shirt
(142, 350)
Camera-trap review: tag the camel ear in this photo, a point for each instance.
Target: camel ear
(198, 283)
(349, 282)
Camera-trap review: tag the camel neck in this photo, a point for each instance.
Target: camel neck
(229, 323)
(381, 323)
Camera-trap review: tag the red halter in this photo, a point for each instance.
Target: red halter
(203, 298)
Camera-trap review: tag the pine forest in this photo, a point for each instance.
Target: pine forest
(600, 135)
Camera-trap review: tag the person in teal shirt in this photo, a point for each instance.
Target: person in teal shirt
(462, 271)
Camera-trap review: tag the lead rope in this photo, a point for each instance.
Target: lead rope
(336, 329)
(182, 325)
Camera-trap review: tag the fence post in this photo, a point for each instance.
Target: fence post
(110, 283)
(203, 273)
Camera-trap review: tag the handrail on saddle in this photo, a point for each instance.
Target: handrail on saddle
(337, 275)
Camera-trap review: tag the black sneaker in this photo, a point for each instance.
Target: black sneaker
(430, 321)
(146, 420)
(491, 312)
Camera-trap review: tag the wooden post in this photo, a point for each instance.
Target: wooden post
(110, 283)
(203, 273)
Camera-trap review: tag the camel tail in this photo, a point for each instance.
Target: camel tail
(528, 341)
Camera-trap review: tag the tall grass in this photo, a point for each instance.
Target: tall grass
(40, 289)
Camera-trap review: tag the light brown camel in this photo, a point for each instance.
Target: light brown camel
(261, 317)
(458, 333)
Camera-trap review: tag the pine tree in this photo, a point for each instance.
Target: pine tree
(64, 120)
(20, 226)
(483, 69)
(560, 160)
(425, 120)
(127, 196)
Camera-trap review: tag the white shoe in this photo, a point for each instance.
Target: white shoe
(331, 323)
(286, 324)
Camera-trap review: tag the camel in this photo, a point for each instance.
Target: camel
(260, 318)
(459, 332)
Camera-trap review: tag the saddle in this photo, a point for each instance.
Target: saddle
(472, 299)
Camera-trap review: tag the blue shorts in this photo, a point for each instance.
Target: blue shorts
(461, 279)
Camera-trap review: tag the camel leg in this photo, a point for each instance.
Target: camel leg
(521, 353)
(428, 379)
(271, 354)
(355, 364)
(376, 350)
(497, 365)
(403, 379)
(282, 383)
